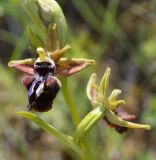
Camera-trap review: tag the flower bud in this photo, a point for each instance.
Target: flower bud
(45, 13)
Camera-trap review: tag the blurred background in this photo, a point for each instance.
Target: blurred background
(116, 33)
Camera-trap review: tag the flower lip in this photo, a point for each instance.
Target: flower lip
(41, 92)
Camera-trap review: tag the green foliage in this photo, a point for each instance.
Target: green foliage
(108, 25)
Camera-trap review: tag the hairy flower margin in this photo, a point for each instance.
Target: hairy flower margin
(116, 117)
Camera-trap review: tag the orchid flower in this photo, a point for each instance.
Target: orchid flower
(42, 83)
(115, 116)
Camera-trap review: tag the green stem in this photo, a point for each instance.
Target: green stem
(75, 115)
(65, 139)
(70, 102)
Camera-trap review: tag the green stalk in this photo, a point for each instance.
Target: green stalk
(75, 116)
(70, 102)
(65, 139)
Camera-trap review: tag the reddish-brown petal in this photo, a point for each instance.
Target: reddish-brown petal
(25, 65)
(67, 67)
(124, 115)
(24, 68)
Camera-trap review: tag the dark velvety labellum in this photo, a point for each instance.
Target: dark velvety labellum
(119, 129)
(41, 92)
(44, 68)
(42, 87)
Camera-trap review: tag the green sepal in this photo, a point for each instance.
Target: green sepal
(114, 119)
(103, 87)
(36, 42)
(88, 122)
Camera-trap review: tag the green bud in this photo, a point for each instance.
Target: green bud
(45, 13)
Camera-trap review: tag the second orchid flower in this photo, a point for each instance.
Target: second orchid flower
(114, 115)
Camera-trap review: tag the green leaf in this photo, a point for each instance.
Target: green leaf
(65, 139)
